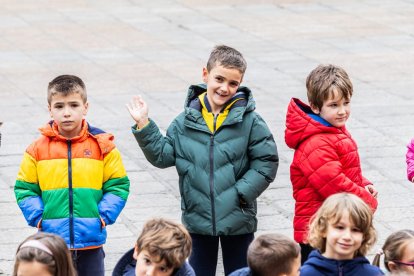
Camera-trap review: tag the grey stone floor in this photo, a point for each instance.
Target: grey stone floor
(157, 48)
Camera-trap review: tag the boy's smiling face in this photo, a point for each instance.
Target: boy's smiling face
(68, 113)
(222, 84)
(335, 110)
(343, 239)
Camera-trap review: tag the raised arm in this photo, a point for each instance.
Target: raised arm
(158, 150)
(138, 109)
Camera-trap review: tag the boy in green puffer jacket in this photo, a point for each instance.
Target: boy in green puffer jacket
(225, 156)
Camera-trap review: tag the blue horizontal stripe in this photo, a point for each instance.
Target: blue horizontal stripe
(88, 231)
(32, 209)
(110, 207)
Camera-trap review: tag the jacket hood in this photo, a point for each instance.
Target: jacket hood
(105, 140)
(356, 266)
(245, 271)
(193, 105)
(301, 124)
(195, 90)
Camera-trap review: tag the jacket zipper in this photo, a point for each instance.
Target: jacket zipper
(213, 211)
(71, 232)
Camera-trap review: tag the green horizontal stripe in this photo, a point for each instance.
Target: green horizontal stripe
(24, 189)
(56, 204)
(117, 186)
(85, 203)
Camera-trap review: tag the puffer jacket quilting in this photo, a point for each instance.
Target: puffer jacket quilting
(215, 170)
(325, 162)
(73, 188)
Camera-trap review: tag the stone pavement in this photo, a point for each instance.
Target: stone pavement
(157, 48)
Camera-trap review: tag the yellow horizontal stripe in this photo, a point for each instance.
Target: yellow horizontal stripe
(86, 173)
(53, 174)
(113, 165)
(27, 172)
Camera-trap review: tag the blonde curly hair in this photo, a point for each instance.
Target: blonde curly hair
(331, 211)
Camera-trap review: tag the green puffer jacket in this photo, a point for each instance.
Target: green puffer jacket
(215, 170)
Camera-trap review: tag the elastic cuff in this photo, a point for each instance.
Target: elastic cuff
(39, 224)
(103, 224)
(139, 128)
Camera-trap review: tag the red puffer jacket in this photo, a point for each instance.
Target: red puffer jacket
(325, 162)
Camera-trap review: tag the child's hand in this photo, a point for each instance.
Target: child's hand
(371, 189)
(138, 109)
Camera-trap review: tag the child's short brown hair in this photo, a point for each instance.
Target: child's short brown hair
(331, 211)
(227, 57)
(324, 80)
(272, 254)
(66, 84)
(166, 240)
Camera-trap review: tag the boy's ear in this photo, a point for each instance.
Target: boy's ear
(314, 108)
(205, 75)
(85, 111)
(50, 110)
(324, 234)
(136, 252)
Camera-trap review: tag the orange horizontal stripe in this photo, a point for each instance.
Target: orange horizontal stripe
(46, 150)
(86, 248)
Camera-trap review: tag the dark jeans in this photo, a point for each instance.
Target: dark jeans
(305, 250)
(89, 262)
(205, 251)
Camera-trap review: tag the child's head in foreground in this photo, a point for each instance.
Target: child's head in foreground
(162, 248)
(329, 92)
(43, 254)
(223, 75)
(398, 253)
(342, 227)
(274, 255)
(67, 102)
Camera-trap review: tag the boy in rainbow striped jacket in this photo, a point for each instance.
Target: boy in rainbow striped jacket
(72, 181)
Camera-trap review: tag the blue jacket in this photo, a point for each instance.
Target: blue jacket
(319, 265)
(126, 266)
(245, 271)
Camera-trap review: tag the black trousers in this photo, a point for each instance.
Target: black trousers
(204, 255)
(305, 250)
(89, 262)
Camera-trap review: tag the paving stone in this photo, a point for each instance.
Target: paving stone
(154, 48)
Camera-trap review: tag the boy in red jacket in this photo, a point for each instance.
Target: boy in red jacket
(326, 159)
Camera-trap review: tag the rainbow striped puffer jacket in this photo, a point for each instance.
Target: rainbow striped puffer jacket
(73, 188)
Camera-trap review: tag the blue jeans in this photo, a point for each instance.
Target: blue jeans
(89, 262)
(205, 252)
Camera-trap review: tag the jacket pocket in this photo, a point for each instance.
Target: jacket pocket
(39, 224)
(103, 224)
